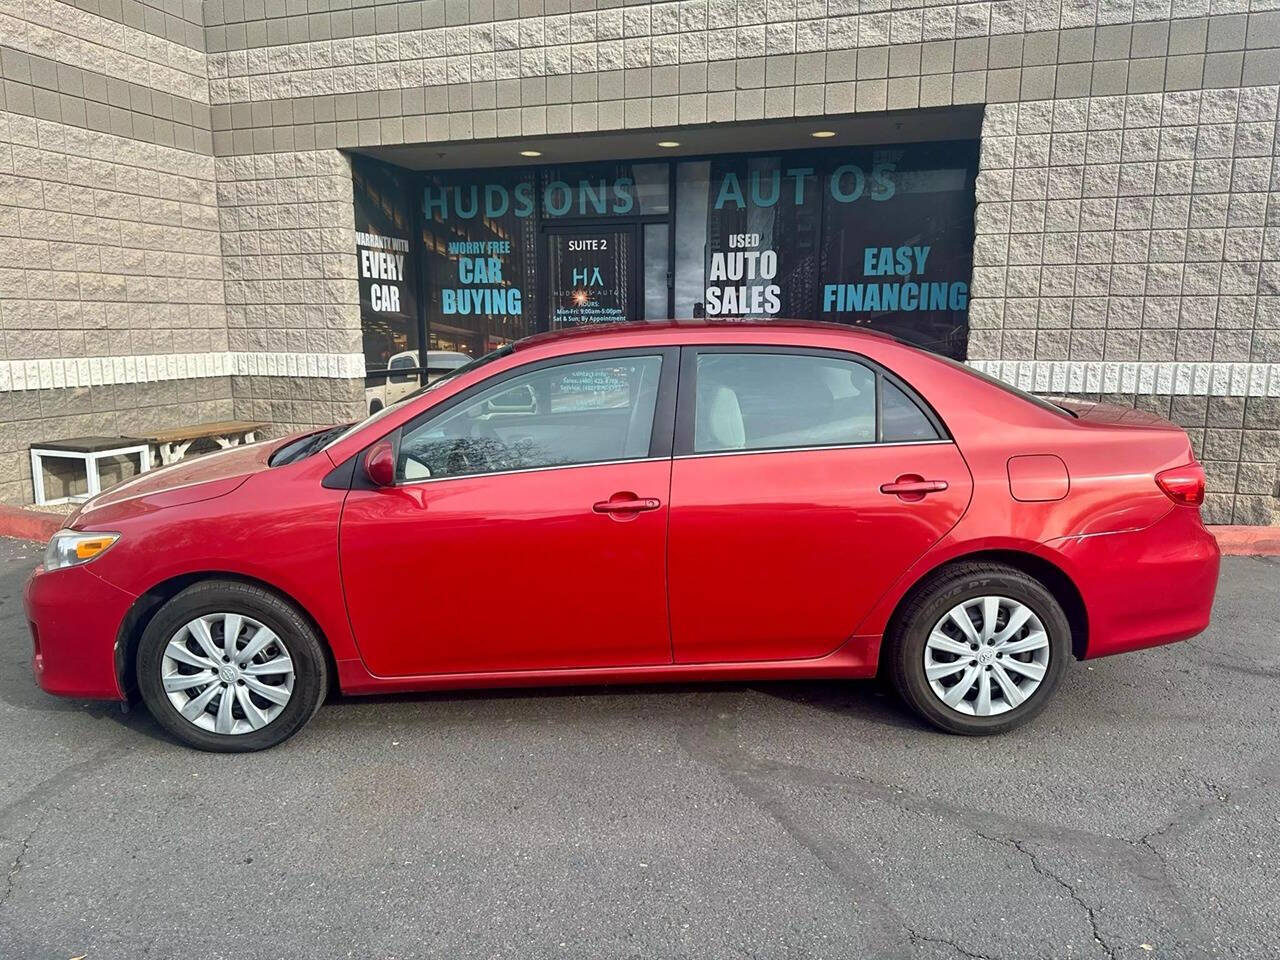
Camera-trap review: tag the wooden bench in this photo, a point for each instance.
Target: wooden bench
(173, 443)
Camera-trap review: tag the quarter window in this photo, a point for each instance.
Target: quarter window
(573, 413)
(901, 419)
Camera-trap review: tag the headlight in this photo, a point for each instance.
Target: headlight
(67, 548)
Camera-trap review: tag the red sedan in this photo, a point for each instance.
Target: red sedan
(687, 501)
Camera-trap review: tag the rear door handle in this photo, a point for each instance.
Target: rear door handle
(911, 487)
(626, 505)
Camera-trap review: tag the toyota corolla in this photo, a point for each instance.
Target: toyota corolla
(654, 502)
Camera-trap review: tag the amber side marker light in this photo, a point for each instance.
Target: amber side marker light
(88, 549)
(1183, 485)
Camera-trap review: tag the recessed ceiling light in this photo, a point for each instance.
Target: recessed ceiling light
(530, 153)
(668, 143)
(823, 134)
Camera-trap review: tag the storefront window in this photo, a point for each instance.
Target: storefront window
(385, 266)
(874, 236)
(479, 239)
(897, 242)
(591, 275)
(756, 221)
(611, 190)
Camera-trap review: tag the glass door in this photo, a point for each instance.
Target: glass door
(593, 275)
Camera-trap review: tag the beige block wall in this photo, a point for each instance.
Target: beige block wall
(288, 242)
(110, 245)
(1143, 228)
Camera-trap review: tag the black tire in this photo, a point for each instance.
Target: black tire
(311, 672)
(905, 644)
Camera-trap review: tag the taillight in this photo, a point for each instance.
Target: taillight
(1183, 485)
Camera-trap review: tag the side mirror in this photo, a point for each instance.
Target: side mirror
(380, 464)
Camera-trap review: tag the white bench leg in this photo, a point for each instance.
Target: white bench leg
(227, 442)
(173, 452)
(91, 468)
(37, 478)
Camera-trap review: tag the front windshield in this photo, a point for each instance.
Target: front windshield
(425, 388)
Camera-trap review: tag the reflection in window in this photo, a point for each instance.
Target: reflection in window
(651, 188)
(655, 271)
(612, 189)
(759, 401)
(574, 413)
(692, 189)
(404, 361)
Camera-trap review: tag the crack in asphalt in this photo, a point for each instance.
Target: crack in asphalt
(712, 743)
(23, 846)
(717, 752)
(1048, 874)
(1265, 778)
(919, 938)
(976, 820)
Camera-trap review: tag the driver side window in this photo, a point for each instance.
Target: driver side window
(594, 411)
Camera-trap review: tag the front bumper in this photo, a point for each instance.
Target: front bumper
(1145, 587)
(75, 618)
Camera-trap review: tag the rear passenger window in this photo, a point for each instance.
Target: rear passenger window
(772, 401)
(900, 417)
(763, 401)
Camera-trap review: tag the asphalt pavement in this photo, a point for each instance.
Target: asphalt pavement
(1137, 817)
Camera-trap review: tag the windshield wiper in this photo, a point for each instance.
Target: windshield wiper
(306, 446)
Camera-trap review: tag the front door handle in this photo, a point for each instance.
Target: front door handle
(626, 503)
(912, 487)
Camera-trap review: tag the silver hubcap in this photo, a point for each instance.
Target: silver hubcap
(227, 673)
(986, 656)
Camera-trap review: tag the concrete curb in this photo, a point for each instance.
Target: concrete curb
(1234, 541)
(1248, 541)
(28, 524)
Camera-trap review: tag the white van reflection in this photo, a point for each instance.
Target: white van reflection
(396, 386)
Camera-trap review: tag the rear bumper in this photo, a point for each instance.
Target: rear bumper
(1145, 587)
(74, 618)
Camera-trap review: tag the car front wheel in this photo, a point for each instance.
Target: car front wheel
(980, 649)
(230, 667)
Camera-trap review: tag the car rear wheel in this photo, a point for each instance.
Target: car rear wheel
(979, 649)
(230, 667)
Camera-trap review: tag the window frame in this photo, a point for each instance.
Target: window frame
(687, 395)
(661, 437)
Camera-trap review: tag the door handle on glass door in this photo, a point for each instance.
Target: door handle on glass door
(913, 487)
(626, 503)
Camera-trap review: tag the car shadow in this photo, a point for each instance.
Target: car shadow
(866, 701)
(869, 701)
